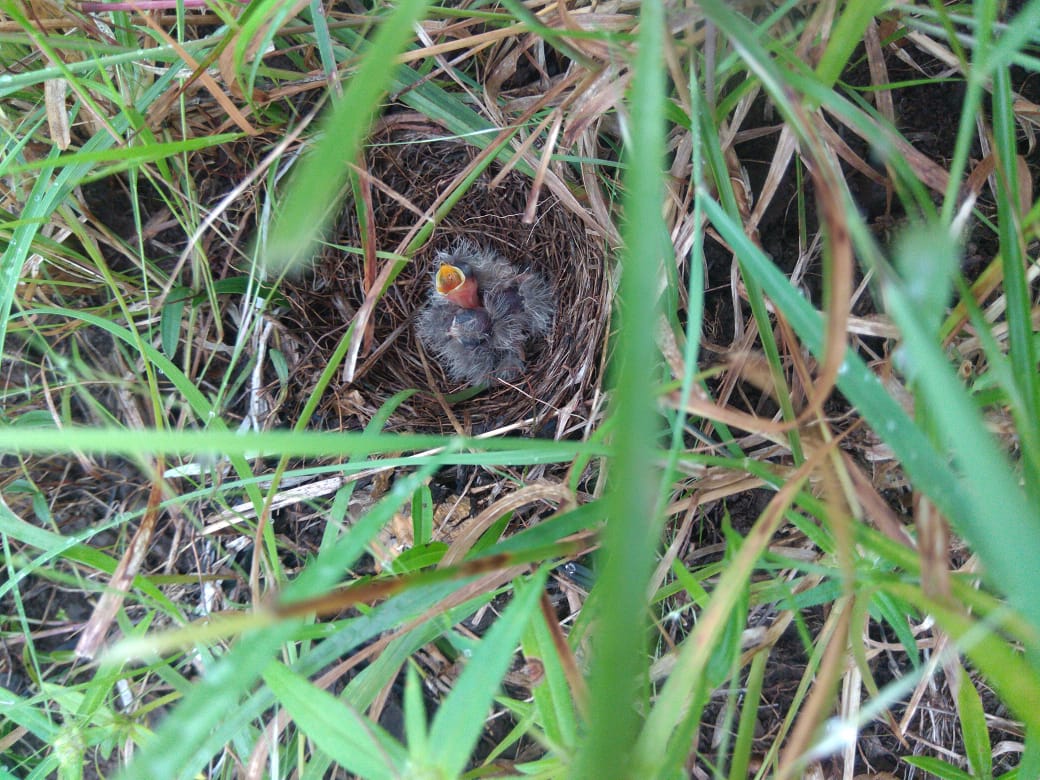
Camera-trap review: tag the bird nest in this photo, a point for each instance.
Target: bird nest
(412, 167)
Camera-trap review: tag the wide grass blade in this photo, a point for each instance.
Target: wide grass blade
(460, 718)
(316, 186)
(347, 736)
(631, 535)
(977, 745)
(996, 518)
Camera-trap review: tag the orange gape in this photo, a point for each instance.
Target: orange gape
(457, 286)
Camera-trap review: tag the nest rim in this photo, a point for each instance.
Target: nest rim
(411, 162)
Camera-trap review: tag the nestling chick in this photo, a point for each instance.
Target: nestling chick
(481, 312)
(506, 292)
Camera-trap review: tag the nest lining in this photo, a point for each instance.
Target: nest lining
(415, 165)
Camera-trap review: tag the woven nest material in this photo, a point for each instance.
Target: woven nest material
(411, 167)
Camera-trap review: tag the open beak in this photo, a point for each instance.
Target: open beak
(453, 283)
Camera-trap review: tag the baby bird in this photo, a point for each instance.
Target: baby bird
(481, 312)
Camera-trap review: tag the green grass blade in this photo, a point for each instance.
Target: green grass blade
(845, 37)
(632, 533)
(509, 451)
(321, 176)
(1022, 344)
(996, 518)
(977, 746)
(356, 743)
(415, 718)
(460, 718)
(742, 748)
(553, 698)
(940, 769)
(122, 159)
(1029, 766)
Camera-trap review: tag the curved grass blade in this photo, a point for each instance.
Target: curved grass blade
(352, 740)
(459, 720)
(321, 176)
